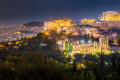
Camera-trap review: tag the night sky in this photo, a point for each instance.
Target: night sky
(16, 12)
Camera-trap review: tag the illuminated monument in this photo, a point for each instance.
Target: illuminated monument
(110, 16)
(57, 25)
(87, 46)
(69, 28)
(87, 20)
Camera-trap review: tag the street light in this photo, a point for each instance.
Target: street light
(82, 41)
(89, 41)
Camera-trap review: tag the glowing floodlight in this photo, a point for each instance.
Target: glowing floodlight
(89, 41)
(82, 41)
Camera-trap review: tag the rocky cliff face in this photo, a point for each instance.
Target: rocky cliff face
(107, 25)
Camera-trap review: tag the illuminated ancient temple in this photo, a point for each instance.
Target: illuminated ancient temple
(57, 24)
(110, 16)
(87, 20)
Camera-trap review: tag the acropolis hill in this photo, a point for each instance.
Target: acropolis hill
(108, 20)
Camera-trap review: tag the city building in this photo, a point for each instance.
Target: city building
(18, 33)
(87, 46)
(110, 16)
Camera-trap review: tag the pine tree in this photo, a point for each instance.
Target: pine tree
(113, 62)
(102, 63)
(74, 66)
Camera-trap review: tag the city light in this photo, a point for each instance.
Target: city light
(82, 41)
(89, 41)
(60, 39)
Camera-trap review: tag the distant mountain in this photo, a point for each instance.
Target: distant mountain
(34, 24)
(27, 31)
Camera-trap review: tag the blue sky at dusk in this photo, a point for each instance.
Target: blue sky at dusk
(16, 12)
